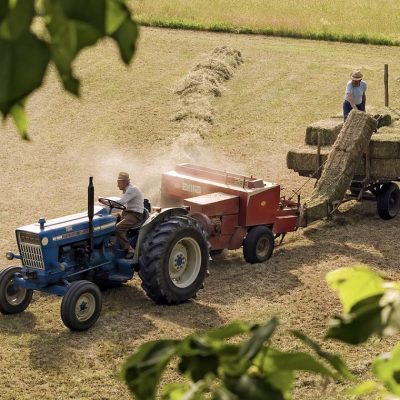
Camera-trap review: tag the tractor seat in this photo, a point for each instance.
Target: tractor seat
(146, 215)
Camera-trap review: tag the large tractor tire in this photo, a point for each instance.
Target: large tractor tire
(258, 245)
(13, 299)
(173, 262)
(388, 201)
(81, 305)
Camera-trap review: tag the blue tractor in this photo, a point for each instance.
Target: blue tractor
(76, 255)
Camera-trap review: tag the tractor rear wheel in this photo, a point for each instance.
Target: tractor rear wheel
(388, 200)
(173, 262)
(258, 245)
(81, 305)
(13, 299)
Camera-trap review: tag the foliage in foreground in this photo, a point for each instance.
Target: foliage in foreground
(223, 365)
(35, 33)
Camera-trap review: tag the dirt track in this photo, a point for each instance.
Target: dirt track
(124, 123)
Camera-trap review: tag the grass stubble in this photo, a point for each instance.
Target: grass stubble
(124, 121)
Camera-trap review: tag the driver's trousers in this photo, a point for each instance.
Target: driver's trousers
(128, 220)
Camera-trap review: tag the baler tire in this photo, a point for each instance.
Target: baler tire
(13, 300)
(258, 245)
(87, 296)
(173, 261)
(388, 201)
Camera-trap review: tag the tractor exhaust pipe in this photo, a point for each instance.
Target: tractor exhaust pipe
(91, 211)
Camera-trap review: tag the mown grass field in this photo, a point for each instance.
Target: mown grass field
(123, 122)
(365, 21)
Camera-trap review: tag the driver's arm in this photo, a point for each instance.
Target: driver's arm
(127, 196)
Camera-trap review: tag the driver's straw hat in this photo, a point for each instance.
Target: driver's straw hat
(123, 176)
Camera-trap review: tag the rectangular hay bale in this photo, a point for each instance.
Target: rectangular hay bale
(328, 130)
(341, 163)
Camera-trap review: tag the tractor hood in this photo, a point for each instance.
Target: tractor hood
(70, 228)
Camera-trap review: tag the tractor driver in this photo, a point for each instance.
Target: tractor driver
(132, 198)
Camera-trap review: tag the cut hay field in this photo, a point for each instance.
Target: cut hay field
(124, 122)
(359, 21)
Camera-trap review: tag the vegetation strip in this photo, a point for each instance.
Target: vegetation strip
(226, 28)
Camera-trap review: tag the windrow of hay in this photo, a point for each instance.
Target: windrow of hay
(196, 91)
(341, 164)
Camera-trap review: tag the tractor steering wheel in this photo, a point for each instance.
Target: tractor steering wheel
(111, 203)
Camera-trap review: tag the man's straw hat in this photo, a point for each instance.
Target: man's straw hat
(356, 75)
(123, 176)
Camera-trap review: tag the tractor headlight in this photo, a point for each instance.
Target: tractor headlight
(10, 255)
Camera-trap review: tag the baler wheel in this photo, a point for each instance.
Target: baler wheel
(258, 245)
(388, 200)
(13, 299)
(81, 305)
(173, 262)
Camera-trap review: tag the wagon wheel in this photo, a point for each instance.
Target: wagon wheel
(388, 200)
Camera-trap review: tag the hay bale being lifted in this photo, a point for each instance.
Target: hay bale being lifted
(341, 163)
(327, 129)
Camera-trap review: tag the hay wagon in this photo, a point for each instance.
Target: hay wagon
(374, 178)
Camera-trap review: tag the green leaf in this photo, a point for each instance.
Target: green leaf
(275, 360)
(183, 391)
(354, 284)
(335, 361)
(19, 116)
(93, 13)
(363, 321)
(18, 20)
(221, 393)
(233, 329)
(116, 13)
(142, 370)
(67, 38)
(16, 80)
(363, 388)
(252, 387)
(174, 391)
(387, 369)
(197, 367)
(126, 36)
(260, 334)
(4, 7)
(390, 314)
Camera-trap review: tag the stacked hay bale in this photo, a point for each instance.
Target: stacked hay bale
(384, 149)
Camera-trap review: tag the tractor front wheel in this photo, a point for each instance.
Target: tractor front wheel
(13, 299)
(81, 305)
(258, 245)
(173, 261)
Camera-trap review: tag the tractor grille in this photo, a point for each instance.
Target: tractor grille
(31, 250)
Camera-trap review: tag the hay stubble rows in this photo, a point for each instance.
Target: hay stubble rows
(124, 121)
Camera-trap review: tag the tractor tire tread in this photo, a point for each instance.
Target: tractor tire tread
(154, 254)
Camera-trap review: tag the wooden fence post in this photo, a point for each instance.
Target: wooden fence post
(386, 80)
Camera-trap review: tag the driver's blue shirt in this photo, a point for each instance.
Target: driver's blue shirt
(132, 199)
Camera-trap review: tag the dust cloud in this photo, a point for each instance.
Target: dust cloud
(193, 119)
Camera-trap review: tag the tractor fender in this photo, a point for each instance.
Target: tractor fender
(153, 220)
